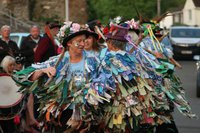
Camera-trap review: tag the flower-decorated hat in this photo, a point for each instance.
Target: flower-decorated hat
(117, 32)
(70, 30)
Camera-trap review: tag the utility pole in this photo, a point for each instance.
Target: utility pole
(158, 7)
(66, 10)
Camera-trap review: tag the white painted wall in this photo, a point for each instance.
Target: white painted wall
(167, 22)
(189, 7)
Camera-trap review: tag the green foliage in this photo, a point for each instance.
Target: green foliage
(108, 9)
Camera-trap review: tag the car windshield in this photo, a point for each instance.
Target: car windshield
(14, 38)
(185, 33)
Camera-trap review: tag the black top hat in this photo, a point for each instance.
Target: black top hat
(53, 24)
(91, 26)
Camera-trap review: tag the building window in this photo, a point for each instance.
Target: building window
(190, 14)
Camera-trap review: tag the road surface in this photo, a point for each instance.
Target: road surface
(188, 77)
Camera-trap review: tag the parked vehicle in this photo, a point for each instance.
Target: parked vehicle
(18, 37)
(185, 41)
(197, 58)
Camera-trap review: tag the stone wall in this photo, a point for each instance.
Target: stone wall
(19, 8)
(78, 11)
(49, 10)
(45, 10)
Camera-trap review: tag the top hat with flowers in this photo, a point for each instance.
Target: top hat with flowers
(70, 30)
(117, 32)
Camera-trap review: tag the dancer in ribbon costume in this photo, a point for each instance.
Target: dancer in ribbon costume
(73, 88)
(110, 90)
(170, 85)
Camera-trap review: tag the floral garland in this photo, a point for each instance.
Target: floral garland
(67, 29)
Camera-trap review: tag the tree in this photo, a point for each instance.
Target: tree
(107, 9)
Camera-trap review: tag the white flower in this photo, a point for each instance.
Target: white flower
(67, 23)
(118, 19)
(62, 34)
(63, 28)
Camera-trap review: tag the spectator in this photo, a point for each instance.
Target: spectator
(28, 48)
(47, 46)
(7, 46)
(8, 64)
(29, 45)
(7, 67)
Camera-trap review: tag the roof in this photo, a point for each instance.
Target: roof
(196, 3)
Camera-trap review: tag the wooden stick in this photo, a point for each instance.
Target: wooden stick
(172, 60)
(56, 65)
(99, 32)
(141, 36)
(162, 37)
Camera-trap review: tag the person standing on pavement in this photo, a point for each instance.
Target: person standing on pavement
(29, 45)
(47, 46)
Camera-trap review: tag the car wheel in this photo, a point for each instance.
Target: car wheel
(198, 83)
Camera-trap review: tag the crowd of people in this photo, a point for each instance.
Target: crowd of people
(109, 78)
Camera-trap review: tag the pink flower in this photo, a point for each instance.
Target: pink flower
(133, 24)
(75, 27)
(148, 26)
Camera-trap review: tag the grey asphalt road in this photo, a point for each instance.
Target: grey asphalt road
(188, 77)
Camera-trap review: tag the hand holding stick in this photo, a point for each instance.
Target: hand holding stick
(172, 60)
(56, 65)
(97, 30)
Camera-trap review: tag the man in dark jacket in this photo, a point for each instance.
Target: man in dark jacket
(47, 46)
(29, 45)
(7, 46)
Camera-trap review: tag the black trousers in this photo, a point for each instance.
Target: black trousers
(167, 128)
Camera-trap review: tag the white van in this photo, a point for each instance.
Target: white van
(185, 41)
